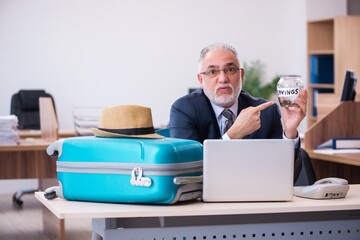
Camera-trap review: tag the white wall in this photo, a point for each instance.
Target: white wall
(322, 9)
(107, 53)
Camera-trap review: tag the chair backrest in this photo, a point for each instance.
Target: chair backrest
(25, 105)
(307, 174)
(165, 132)
(48, 122)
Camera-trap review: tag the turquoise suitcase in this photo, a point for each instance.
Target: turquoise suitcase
(127, 170)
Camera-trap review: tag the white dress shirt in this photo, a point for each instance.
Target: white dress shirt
(221, 119)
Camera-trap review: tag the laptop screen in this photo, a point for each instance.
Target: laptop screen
(248, 170)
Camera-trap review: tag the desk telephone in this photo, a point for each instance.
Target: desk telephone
(327, 188)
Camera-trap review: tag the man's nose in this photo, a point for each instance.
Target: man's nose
(223, 77)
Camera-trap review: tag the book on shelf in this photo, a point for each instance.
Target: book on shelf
(315, 99)
(322, 69)
(316, 93)
(340, 143)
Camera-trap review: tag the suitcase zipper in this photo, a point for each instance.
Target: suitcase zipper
(127, 168)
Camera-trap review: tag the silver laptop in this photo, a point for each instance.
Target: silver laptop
(248, 170)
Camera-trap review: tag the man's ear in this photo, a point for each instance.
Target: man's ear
(200, 79)
(242, 75)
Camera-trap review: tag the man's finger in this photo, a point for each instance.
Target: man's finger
(303, 95)
(263, 106)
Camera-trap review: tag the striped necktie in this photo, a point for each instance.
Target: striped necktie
(227, 113)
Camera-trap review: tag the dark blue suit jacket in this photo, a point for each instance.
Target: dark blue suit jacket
(192, 117)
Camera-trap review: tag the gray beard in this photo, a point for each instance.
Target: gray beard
(224, 100)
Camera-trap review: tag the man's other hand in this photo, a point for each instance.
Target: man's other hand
(292, 116)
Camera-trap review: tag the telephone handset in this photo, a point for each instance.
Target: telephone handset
(326, 188)
(332, 180)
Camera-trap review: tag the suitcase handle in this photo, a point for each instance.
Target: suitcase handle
(55, 149)
(188, 179)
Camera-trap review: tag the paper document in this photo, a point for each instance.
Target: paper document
(340, 143)
(336, 151)
(9, 133)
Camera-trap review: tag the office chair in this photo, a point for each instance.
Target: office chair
(307, 174)
(25, 105)
(165, 132)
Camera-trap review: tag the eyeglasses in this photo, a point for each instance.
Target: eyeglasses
(228, 71)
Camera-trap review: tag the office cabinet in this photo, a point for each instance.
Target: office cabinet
(333, 47)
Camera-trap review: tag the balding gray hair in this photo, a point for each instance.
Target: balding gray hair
(215, 46)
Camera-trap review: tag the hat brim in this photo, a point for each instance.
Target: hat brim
(101, 133)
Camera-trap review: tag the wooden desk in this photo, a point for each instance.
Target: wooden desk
(341, 122)
(76, 209)
(298, 219)
(37, 133)
(336, 165)
(28, 159)
(26, 145)
(350, 159)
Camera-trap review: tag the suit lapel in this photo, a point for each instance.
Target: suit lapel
(208, 115)
(242, 104)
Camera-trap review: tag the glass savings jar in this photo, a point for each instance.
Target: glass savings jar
(288, 88)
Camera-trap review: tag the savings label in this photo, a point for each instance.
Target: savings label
(287, 92)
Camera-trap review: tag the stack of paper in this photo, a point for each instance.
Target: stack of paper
(9, 134)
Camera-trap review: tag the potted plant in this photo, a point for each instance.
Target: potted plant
(253, 83)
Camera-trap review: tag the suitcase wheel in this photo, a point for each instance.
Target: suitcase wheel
(50, 193)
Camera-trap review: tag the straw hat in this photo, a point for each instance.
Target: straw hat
(129, 121)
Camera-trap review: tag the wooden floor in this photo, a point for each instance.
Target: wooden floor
(25, 223)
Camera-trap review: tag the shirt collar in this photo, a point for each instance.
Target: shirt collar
(218, 110)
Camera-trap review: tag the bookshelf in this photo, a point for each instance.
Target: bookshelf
(340, 122)
(333, 47)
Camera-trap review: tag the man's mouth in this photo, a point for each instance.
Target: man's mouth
(224, 90)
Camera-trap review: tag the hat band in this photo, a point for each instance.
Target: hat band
(130, 131)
